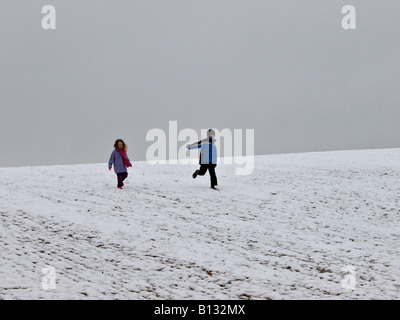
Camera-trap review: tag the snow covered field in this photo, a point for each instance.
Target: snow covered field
(284, 232)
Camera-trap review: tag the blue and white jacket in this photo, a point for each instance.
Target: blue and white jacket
(208, 152)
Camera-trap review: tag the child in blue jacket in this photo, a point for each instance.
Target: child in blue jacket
(208, 157)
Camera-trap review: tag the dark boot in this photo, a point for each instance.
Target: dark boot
(194, 175)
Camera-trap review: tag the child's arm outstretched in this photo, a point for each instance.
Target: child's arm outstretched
(196, 145)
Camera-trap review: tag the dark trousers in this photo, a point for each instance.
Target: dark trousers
(211, 170)
(121, 177)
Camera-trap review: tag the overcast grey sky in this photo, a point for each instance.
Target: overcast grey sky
(115, 69)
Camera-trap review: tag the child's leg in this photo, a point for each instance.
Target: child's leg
(120, 179)
(213, 177)
(124, 176)
(202, 170)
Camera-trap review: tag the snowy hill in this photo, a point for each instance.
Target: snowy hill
(284, 232)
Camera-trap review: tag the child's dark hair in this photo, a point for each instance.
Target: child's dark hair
(125, 147)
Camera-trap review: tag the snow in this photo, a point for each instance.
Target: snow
(284, 232)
